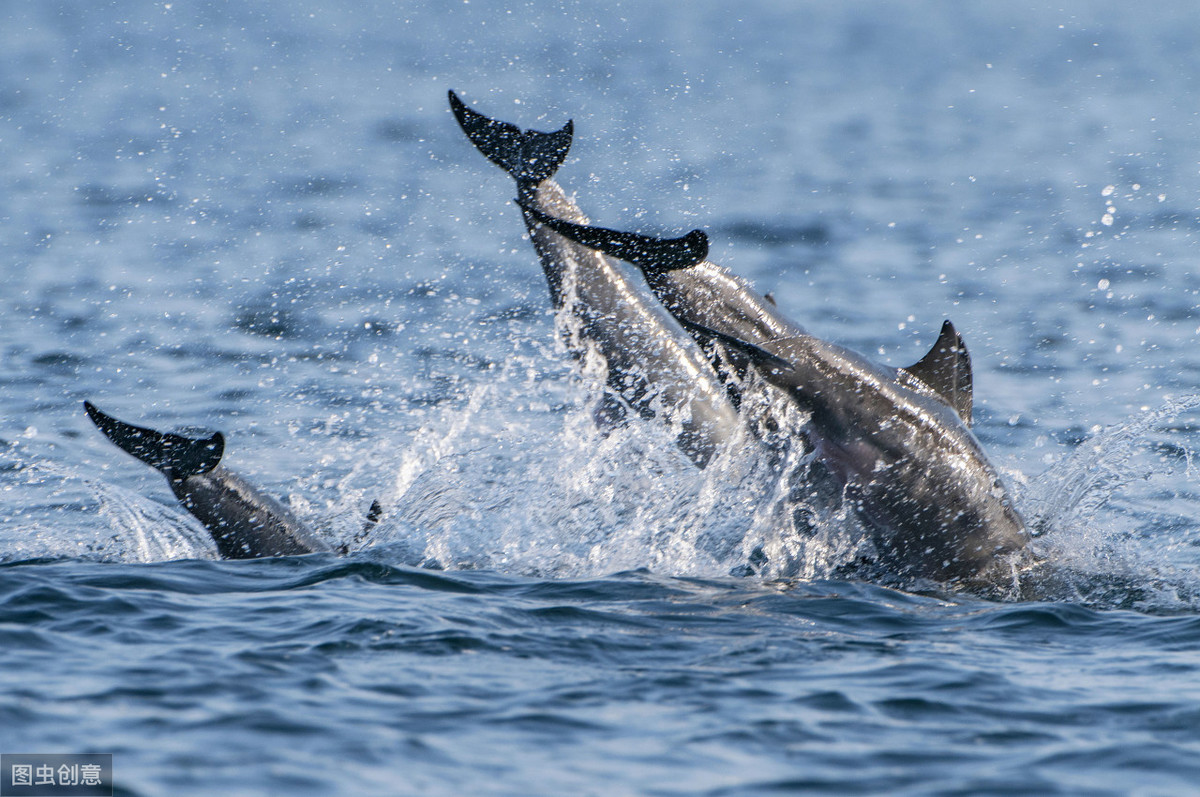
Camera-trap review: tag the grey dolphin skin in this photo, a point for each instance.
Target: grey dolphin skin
(897, 439)
(244, 523)
(654, 365)
(704, 295)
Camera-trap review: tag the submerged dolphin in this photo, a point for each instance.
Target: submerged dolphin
(244, 523)
(897, 439)
(654, 366)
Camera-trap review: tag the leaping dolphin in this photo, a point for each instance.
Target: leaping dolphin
(654, 366)
(244, 523)
(704, 295)
(897, 439)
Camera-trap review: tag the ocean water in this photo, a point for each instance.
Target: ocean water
(262, 218)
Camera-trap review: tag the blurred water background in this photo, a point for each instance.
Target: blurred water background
(261, 218)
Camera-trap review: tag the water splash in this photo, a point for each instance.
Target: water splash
(1073, 490)
(515, 476)
(524, 481)
(1116, 523)
(61, 522)
(145, 531)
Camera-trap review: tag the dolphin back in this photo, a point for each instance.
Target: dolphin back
(530, 156)
(178, 457)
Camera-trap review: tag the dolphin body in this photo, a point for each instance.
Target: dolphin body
(244, 523)
(654, 366)
(703, 295)
(896, 439)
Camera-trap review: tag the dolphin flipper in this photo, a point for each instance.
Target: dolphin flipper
(528, 155)
(649, 254)
(757, 354)
(176, 456)
(373, 515)
(947, 370)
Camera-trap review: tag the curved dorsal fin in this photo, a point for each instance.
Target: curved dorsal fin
(176, 456)
(946, 369)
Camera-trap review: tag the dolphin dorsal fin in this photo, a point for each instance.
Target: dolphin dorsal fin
(651, 255)
(175, 455)
(528, 155)
(946, 369)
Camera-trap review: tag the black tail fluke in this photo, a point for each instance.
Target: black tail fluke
(651, 255)
(177, 456)
(528, 155)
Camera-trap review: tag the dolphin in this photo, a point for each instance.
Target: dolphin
(897, 439)
(244, 523)
(705, 295)
(654, 365)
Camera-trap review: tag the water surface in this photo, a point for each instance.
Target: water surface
(263, 220)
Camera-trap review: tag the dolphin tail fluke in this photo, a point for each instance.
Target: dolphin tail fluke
(530, 156)
(177, 456)
(651, 255)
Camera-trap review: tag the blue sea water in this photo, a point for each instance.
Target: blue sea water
(261, 218)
